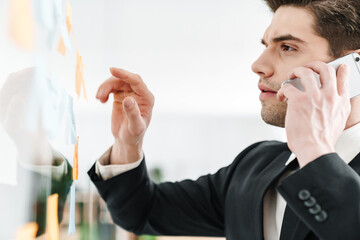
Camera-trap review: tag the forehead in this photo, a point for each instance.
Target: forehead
(291, 21)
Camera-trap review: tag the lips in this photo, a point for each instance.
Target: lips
(266, 92)
(265, 89)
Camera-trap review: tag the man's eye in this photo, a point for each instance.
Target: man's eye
(287, 48)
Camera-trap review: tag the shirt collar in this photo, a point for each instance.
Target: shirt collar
(347, 146)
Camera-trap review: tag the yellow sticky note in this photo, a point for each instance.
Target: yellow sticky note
(68, 17)
(79, 76)
(75, 170)
(61, 47)
(52, 222)
(27, 232)
(22, 26)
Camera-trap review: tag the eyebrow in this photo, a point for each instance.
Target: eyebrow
(283, 38)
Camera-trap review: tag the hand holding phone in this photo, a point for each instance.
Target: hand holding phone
(316, 118)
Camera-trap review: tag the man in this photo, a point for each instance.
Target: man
(307, 188)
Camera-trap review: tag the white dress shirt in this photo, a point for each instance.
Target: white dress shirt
(347, 146)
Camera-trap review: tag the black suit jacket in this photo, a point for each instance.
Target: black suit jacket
(230, 202)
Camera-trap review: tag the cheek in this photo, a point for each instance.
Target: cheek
(286, 68)
(282, 74)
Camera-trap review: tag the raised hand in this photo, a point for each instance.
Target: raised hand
(131, 114)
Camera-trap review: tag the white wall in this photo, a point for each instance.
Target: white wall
(195, 56)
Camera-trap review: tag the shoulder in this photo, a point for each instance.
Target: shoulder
(268, 147)
(260, 154)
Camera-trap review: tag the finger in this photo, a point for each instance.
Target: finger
(307, 78)
(287, 91)
(342, 76)
(112, 84)
(327, 74)
(132, 111)
(120, 96)
(117, 117)
(134, 80)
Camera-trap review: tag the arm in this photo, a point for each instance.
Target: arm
(188, 207)
(335, 187)
(182, 208)
(136, 203)
(314, 121)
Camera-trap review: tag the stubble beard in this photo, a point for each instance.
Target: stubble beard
(274, 114)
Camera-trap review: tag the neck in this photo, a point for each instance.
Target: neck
(354, 116)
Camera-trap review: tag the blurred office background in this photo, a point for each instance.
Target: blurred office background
(194, 55)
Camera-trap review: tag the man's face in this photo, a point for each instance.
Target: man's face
(290, 41)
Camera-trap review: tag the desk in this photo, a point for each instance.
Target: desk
(188, 238)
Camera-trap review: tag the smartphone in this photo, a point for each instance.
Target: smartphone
(352, 60)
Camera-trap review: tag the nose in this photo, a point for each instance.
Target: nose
(263, 65)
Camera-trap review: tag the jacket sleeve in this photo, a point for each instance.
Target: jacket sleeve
(325, 195)
(187, 208)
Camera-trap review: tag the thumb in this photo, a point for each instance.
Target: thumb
(132, 112)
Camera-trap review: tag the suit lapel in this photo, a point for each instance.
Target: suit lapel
(355, 164)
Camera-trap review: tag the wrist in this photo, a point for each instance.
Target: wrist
(310, 154)
(125, 154)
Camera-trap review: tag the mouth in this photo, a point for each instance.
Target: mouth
(266, 92)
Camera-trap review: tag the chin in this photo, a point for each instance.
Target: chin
(273, 122)
(274, 115)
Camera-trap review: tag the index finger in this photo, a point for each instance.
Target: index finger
(327, 73)
(112, 84)
(134, 80)
(122, 80)
(342, 75)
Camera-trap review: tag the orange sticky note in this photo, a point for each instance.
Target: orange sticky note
(68, 17)
(27, 232)
(52, 222)
(61, 48)
(79, 76)
(22, 26)
(75, 170)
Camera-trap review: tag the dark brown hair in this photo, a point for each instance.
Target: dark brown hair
(338, 21)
